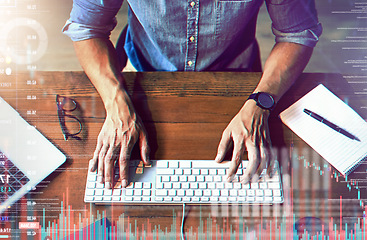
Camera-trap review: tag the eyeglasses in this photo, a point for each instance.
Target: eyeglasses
(70, 125)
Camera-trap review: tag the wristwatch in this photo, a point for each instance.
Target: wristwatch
(263, 100)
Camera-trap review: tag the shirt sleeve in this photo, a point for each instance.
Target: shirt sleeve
(295, 21)
(92, 19)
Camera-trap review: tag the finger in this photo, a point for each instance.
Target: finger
(101, 156)
(93, 163)
(144, 148)
(237, 155)
(126, 148)
(271, 164)
(264, 162)
(223, 146)
(108, 168)
(253, 163)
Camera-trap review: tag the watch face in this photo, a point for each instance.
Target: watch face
(265, 100)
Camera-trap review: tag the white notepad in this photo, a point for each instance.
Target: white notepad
(340, 151)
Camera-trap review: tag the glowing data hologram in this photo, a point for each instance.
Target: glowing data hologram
(36, 41)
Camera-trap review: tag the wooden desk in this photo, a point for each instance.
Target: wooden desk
(185, 114)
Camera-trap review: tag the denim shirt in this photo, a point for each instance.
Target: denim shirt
(194, 35)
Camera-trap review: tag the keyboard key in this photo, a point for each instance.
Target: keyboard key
(187, 171)
(259, 192)
(224, 193)
(165, 171)
(223, 199)
(129, 192)
(209, 178)
(190, 193)
(204, 171)
(191, 178)
(172, 192)
(174, 178)
(173, 164)
(207, 193)
(221, 172)
(115, 198)
(116, 192)
(161, 192)
(146, 192)
(274, 185)
(162, 164)
(176, 185)
(211, 185)
(217, 178)
(198, 193)
(277, 193)
(107, 192)
(89, 192)
(216, 193)
(185, 164)
(98, 198)
(203, 185)
(250, 192)
(220, 185)
(91, 185)
(268, 192)
(178, 171)
(233, 192)
(200, 178)
(183, 178)
(89, 198)
(232, 199)
(137, 199)
(195, 171)
(166, 179)
(98, 192)
(147, 185)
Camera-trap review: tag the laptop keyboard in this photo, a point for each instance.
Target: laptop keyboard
(185, 181)
(11, 178)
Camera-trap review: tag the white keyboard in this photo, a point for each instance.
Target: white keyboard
(185, 181)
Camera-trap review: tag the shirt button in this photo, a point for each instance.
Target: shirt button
(192, 4)
(192, 38)
(189, 63)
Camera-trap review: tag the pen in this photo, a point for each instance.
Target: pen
(330, 124)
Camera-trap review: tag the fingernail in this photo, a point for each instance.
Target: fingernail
(108, 185)
(100, 179)
(124, 183)
(230, 178)
(245, 180)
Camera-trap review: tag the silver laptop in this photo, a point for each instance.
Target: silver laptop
(26, 156)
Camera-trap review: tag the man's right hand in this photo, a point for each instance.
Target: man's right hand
(121, 130)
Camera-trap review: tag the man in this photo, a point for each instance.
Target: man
(193, 35)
